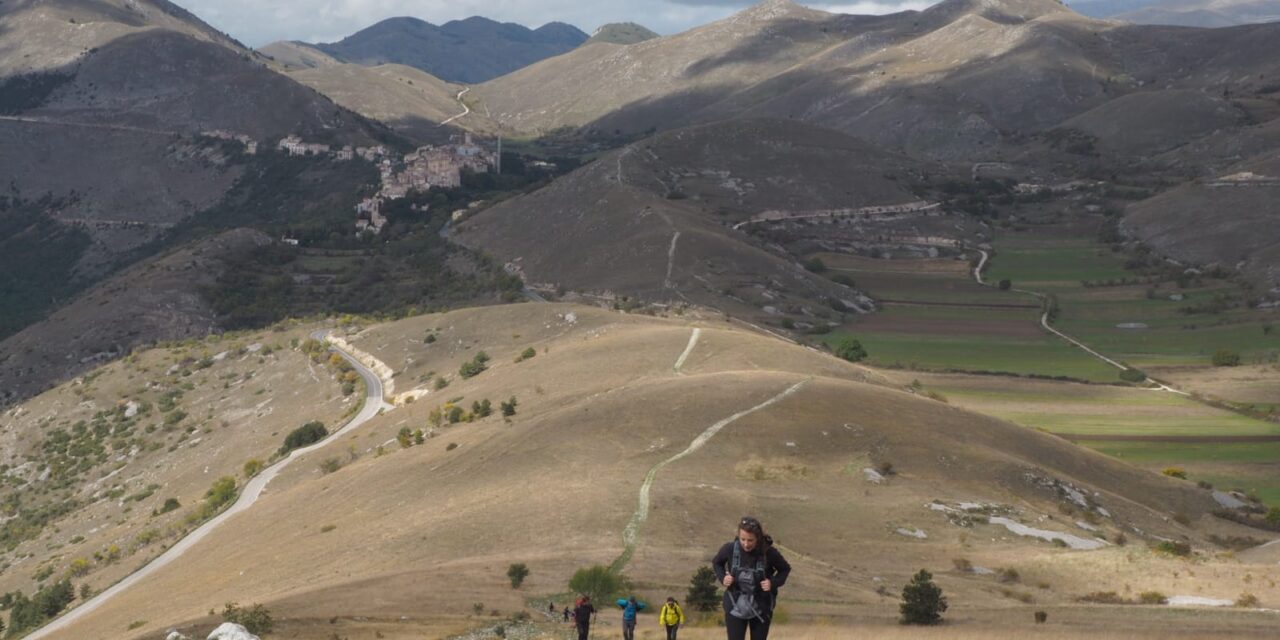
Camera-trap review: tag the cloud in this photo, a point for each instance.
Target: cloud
(257, 23)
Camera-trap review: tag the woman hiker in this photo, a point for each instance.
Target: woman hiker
(752, 571)
(582, 614)
(671, 617)
(630, 607)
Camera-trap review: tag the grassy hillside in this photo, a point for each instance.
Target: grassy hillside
(600, 404)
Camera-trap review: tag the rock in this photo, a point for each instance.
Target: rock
(231, 631)
(872, 476)
(175, 635)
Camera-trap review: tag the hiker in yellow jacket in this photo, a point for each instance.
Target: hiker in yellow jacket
(671, 617)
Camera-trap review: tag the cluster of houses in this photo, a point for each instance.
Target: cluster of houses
(426, 168)
(250, 145)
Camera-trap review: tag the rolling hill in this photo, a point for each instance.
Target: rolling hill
(655, 219)
(715, 422)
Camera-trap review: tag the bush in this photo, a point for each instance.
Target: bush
(1175, 472)
(256, 619)
(475, 366)
(1174, 548)
(1247, 600)
(527, 354)
(703, 591)
(517, 572)
(815, 265)
(1103, 597)
(962, 565)
(1132, 375)
(1226, 358)
(1008, 574)
(850, 349)
(508, 407)
(170, 504)
(599, 582)
(482, 408)
(1041, 617)
(1005, 285)
(329, 465)
(309, 433)
(922, 601)
(1152, 597)
(252, 467)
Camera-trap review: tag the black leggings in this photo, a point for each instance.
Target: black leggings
(671, 630)
(737, 628)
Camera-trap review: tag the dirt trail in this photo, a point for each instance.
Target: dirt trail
(465, 109)
(373, 404)
(631, 534)
(693, 342)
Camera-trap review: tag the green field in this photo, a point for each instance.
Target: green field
(1252, 467)
(1045, 356)
(1172, 337)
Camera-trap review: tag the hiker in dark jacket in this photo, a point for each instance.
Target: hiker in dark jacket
(752, 571)
(630, 607)
(582, 616)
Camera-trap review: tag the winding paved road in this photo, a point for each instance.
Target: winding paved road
(373, 404)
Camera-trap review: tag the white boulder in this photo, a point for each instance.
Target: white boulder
(231, 631)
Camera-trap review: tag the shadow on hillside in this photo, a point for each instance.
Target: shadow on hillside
(795, 33)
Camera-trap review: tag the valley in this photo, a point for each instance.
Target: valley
(402, 335)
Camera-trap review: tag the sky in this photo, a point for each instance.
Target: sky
(257, 23)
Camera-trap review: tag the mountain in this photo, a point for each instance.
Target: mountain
(621, 33)
(958, 80)
(663, 428)
(293, 55)
(104, 108)
(1185, 13)
(464, 51)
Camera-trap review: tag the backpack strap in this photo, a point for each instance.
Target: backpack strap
(737, 559)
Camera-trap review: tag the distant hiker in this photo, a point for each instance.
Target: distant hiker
(630, 607)
(551, 609)
(671, 617)
(582, 615)
(566, 613)
(752, 571)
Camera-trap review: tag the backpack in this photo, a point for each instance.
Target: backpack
(744, 602)
(736, 564)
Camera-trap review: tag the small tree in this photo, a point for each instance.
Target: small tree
(309, 433)
(1226, 358)
(252, 467)
(850, 349)
(517, 572)
(1005, 284)
(922, 601)
(598, 582)
(703, 593)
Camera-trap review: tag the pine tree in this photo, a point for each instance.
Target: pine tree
(703, 595)
(922, 601)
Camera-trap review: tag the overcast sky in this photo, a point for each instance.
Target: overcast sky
(256, 23)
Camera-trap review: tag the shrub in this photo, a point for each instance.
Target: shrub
(309, 433)
(1041, 617)
(1174, 548)
(475, 366)
(1152, 597)
(451, 447)
(1226, 358)
(252, 467)
(170, 504)
(1273, 515)
(840, 278)
(517, 572)
(1175, 472)
(482, 408)
(79, 568)
(962, 565)
(1132, 375)
(922, 600)
(1182, 519)
(256, 619)
(1247, 600)
(1008, 574)
(1005, 284)
(1103, 597)
(454, 415)
(598, 582)
(329, 465)
(441, 383)
(508, 407)
(703, 592)
(404, 437)
(815, 265)
(527, 354)
(850, 349)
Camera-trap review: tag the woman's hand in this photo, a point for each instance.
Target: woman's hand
(766, 584)
(728, 581)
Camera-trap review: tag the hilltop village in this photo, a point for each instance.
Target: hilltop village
(428, 167)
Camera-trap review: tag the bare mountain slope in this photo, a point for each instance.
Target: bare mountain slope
(1227, 219)
(654, 219)
(765, 428)
(292, 55)
(961, 79)
(1204, 13)
(153, 301)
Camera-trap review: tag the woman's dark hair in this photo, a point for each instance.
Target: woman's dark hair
(753, 526)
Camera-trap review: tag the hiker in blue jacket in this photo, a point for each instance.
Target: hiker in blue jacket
(630, 607)
(752, 570)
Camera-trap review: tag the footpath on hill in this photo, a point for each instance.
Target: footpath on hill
(373, 405)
